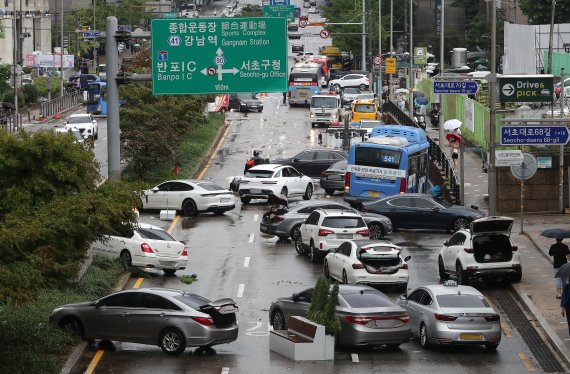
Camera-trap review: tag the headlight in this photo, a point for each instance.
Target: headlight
(334, 116)
(242, 102)
(312, 115)
(56, 310)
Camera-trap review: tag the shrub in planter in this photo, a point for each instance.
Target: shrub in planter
(323, 307)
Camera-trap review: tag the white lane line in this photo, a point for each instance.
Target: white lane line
(240, 290)
(354, 357)
(225, 370)
(251, 236)
(246, 262)
(255, 217)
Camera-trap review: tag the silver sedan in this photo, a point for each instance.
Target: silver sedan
(452, 314)
(174, 319)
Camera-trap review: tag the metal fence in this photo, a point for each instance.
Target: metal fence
(7, 121)
(61, 103)
(436, 154)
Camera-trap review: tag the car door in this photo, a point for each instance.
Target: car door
(429, 215)
(110, 317)
(336, 260)
(323, 160)
(348, 80)
(299, 306)
(345, 260)
(413, 308)
(399, 209)
(451, 250)
(179, 191)
(302, 161)
(296, 181)
(308, 227)
(150, 317)
(157, 197)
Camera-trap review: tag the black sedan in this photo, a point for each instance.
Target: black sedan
(245, 102)
(332, 179)
(313, 162)
(422, 211)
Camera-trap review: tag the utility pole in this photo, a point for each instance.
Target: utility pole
(390, 86)
(411, 97)
(113, 130)
(15, 37)
(561, 162)
(492, 120)
(363, 35)
(441, 64)
(551, 36)
(61, 55)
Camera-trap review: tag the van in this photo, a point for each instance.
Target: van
(102, 70)
(364, 109)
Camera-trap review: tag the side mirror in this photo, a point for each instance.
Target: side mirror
(407, 258)
(446, 243)
(296, 159)
(295, 297)
(403, 297)
(155, 189)
(514, 248)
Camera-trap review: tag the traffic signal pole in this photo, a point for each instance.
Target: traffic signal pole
(113, 128)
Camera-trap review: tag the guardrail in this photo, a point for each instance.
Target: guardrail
(61, 103)
(435, 152)
(7, 121)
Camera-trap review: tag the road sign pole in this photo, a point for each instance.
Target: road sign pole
(492, 181)
(561, 166)
(113, 127)
(522, 199)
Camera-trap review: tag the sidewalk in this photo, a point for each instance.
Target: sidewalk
(536, 288)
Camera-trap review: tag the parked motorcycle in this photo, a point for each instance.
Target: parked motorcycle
(255, 160)
(434, 116)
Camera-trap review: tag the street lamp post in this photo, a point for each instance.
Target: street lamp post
(364, 35)
(15, 37)
(411, 97)
(441, 64)
(61, 53)
(390, 86)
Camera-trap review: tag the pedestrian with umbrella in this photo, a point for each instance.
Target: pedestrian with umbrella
(560, 255)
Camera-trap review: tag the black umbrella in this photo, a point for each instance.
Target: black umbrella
(7, 106)
(556, 233)
(563, 272)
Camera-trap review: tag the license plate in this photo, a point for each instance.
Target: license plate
(470, 336)
(373, 193)
(344, 236)
(255, 190)
(224, 200)
(335, 177)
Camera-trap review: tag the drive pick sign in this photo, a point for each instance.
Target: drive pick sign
(325, 34)
(303, 24)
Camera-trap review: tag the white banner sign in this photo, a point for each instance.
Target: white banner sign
(375, 172)
(508, 157)
(469, 115)
(53, 61)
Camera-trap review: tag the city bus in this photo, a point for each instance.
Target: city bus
(304, 81)
(97, 98)
(393, 160)
(325, 64)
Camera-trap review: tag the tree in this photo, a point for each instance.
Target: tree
(322, 309)
(51, 210)
(539, 11)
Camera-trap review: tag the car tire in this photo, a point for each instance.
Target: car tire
(299, 245)
(461, 275)
(172, 341)
(344, 277)
(326, 269)
(278, 320)
(517, 277)
(337, 86)
(96, 135)
(169, 272)
(329, 191)
(189, 208)
(442, 274)
(72, 326)
(126, 258)
(245, 200)
(314, 253)
(295, 231)
(375, 231)
(423, 337)
(240, 109)
(460, 223)
(362, 87)
(308, 192)
(284, 191)
(491, 347)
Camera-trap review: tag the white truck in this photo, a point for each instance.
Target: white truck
(326, 110)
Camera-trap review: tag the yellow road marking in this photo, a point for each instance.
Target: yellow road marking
(201, 175)
(526, 361)
(506, 330)
(138, 283)
(94, 361)
(173, 224)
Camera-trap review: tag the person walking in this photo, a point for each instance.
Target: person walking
(560, 254)
(565, 304)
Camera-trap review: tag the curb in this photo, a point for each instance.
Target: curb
(551, 335)
(208, 155)
(539, 248)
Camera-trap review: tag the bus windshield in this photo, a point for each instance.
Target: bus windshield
(324, 102)
(378, 157)
(301, 78)
(93, 93)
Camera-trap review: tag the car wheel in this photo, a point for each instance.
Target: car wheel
(337, 86)
(314, 253)
(240, 109)
(126, 258)
(461, 276)
(424, 340)
(491, 347)
(72, 326)
(375, 231)
(460, 224)
(344, 277)
(172, 341)
(326, 269)
(284, 191)
(189, 208)
(169, 271)
(96, 135)
(517, 277)
(299, 245)
(308, 192)
(329, 191)
(362, 87)
(278, 320)
(295, 232)
(245, 200)
(442, 274)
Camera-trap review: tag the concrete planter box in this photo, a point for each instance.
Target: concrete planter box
(303, 341)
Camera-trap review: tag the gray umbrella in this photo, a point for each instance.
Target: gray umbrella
(563, 272)
(556, 233)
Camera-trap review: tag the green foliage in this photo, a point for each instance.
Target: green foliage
(188, 279)
(41, 84)
(322, 309)
(539, 11)
(30, 93)
(9, 96)
(26, 70)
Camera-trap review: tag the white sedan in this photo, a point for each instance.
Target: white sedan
(368, 262)
(144, 246)
(351, 80)
(264, 180)
(189, 196)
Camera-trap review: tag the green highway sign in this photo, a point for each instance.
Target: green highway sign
(287, 11)
(219, 55)
(169, 15)
(525, 88)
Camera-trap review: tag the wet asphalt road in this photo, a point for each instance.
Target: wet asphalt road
(232, 259)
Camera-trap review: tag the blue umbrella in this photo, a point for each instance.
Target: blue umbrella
(422, 100)
(556, 233)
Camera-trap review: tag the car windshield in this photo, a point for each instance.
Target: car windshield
(443, 202)
(155, 234)
(366, 97)
(259, 173)
(366, 299)
(78, 119)
(364, 108)
(192, 300)
(343, 222)
(247, 97)
(210, 186)
(324, 102)
(462, 301)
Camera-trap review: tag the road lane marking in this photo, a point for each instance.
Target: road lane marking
(201, 175)
(251, 236)
(225, 370)
(94, 361)
(526, 361)
(138, 283)
(354, 357)
(246, 262)
(173, 224)
(240, 290)
(506, 330)
(255, 217)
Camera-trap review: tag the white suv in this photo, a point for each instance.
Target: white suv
(351, 80)
(85, 123)
(269, 179)
(483, 251)
(325, 230)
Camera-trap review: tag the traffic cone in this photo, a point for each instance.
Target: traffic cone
(176, 169)
(57, 116)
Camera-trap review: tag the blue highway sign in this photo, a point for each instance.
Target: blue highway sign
(91, 34)
(461, 87)
(534, 135)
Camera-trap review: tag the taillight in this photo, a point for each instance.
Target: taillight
(347, 182)
(363, 232)
(146, 248)
(324, 175)
(444, 317)
(402, 185)
(357, 320)
(357, 266)
(360, 320)
(493, 318)
(204, 321)
(404, 265)
(184, 252)
(323, 232)
(278, 219)
(468, 250)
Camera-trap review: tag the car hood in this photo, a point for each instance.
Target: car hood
(80, 305)
(251, 101)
